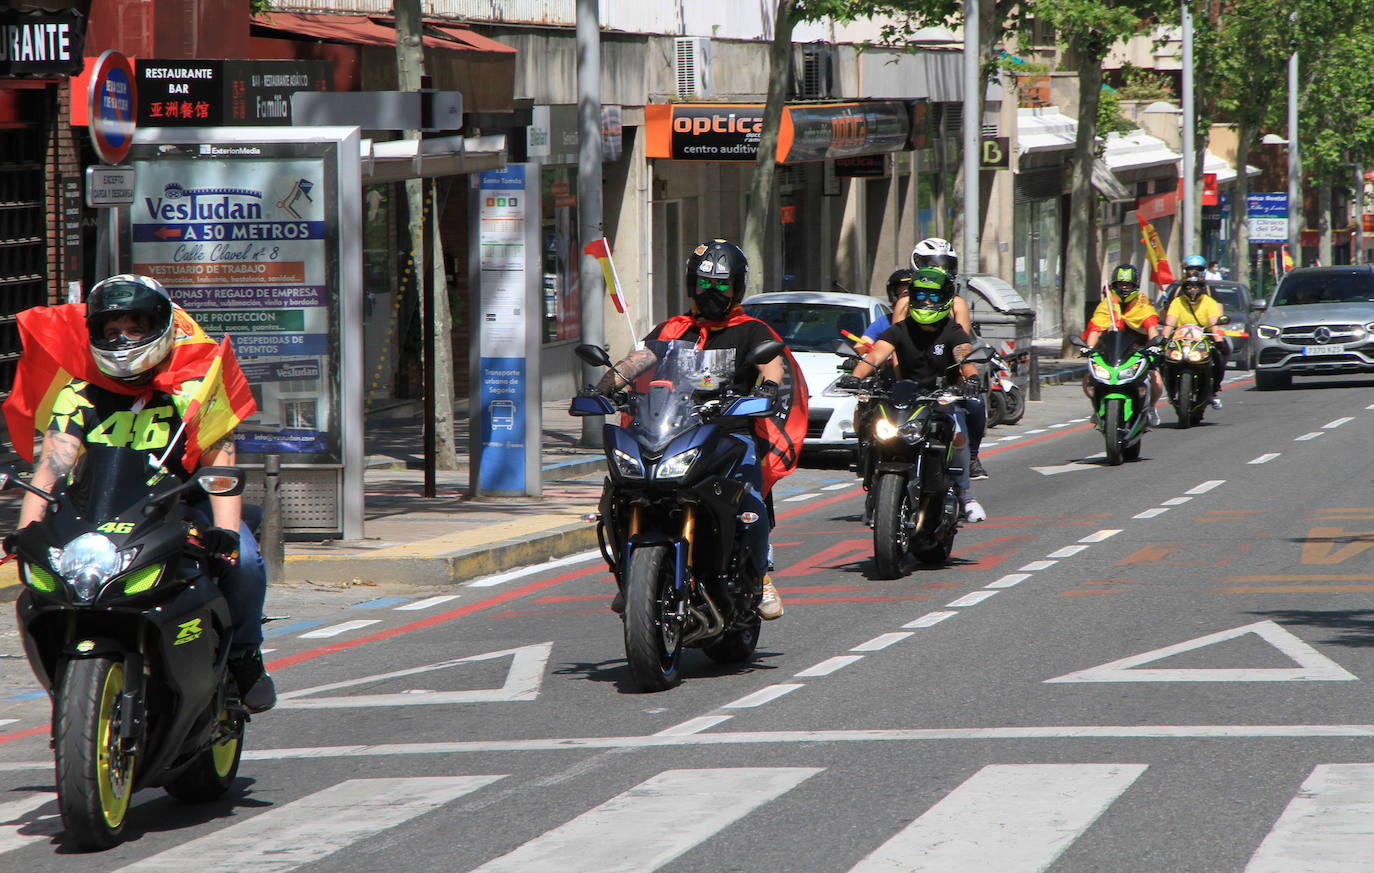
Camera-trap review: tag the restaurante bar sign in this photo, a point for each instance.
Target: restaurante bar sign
(808, 132)
(41, 43)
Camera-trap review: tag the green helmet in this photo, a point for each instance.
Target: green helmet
(1126, 282)
(931, 295)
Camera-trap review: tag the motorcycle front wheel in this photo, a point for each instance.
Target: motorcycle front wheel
(212, 771)
(1183, 408)
(94, 774)
(891, 514)
(1111, 429)
(654, 616)
(1016, 405)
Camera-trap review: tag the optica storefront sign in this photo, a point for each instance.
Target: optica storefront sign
(811, 132)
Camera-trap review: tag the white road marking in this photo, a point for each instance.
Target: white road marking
(522, 682)
(509, 575)
(1060, 424)
(838, 486)
(1007, 818)
(1071, 467)
(1036, 430)
(1264, 459)
(972, 598)
(930, 619)
(427, 602)
(1325, 828)
(1009, 580)
(1066, 552)
(1338, 422)
(1308, 436)
(336, 629)
(1205, 486)
(1036, 566)
(799, 497)
(21, 824)
(1151, 513)
(829, 665)
(1175, 501)
(762, 696)
(314, 827)
(5, 721)
(880, 642)
(653, 823)
(693, 726)
(1313, 666)
(1099, 536)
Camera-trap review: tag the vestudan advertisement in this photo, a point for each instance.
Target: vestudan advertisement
(240, 240)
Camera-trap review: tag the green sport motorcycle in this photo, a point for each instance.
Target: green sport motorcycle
(1120, 380)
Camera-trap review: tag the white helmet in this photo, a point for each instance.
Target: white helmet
(935, 252)
(127, 294)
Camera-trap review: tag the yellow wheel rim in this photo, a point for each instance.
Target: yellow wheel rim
(114, 769)
(224, 753)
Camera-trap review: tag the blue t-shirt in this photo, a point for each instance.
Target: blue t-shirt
(880, 324)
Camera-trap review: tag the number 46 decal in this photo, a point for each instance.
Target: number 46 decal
(116, 527)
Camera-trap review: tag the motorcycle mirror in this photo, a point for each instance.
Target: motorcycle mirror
(764, 352)
(220, 481)
(845, 350)
(6, 474)
(1224, 319)
(980, 355)
(594, 355)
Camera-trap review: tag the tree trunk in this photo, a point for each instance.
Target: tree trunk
(1240, 225)
(1081, 272)
(760, 207)
(1324, 224)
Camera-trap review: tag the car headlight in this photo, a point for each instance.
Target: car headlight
(1266, 331)
(677, 466)
(88, 562)
(832, 391)
(884, 429)
(627, 465)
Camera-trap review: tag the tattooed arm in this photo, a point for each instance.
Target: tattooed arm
(961, 351)
(227, 511)
(56, 459)
(630, 366)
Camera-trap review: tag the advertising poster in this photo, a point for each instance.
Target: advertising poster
(240, 241)
(501, 234)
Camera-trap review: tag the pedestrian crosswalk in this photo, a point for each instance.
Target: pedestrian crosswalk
(1002, 818)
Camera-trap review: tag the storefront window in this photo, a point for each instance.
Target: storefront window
(561, 254)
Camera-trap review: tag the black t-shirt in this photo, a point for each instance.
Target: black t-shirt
(743, 338)
(146, 422)
(926, 356)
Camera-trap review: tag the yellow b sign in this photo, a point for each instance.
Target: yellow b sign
(994, 153)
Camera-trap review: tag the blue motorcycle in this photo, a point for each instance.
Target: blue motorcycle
(682, 522)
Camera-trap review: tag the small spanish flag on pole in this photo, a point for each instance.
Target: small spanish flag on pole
(601, 250)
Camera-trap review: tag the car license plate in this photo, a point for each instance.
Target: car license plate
(1323, 350)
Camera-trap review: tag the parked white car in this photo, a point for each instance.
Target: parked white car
(811, 323)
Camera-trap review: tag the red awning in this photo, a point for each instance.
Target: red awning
(365, 30)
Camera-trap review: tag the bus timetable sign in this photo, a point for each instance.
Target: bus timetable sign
(113, 102)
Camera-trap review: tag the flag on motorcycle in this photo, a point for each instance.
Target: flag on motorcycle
(56, 349)
(784, 430)
(216, 403)
(1160, 273)
(601, 250)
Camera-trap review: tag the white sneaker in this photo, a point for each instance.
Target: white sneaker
(1216, 402)
(1152, 416)
(973, 511)
(770, 607)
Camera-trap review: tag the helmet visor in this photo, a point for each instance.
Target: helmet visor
(721, 285)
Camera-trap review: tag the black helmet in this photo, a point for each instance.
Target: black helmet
(123, 357)
(1126, 282)
(899, 283)
(935, 252)
(715, 277)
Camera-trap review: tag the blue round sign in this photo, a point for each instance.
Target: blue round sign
(113, 107)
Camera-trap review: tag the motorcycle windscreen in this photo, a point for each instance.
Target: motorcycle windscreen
(668, 396)
(110, 479)
(1116, 346)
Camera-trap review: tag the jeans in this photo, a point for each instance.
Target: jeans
(244, 587)
(976, 415)
(962, 482)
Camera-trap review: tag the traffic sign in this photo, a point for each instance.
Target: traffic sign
(110, 186)
(1268, 217)
(113, 106)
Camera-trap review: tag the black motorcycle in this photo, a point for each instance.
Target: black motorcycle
(908, 450)
(679, 525)
(1188, 369)
(123, 627)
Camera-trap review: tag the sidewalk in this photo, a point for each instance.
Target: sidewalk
(453, 538)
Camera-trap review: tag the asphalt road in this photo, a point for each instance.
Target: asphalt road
(1163, 666)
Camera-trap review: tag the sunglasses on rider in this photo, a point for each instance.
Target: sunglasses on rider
(919, 297)
(1123, 287)
(722, 285)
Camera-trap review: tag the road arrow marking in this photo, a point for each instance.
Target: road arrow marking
(1313, 666)
(522, 682)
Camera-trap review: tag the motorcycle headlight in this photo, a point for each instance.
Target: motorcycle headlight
(677, 466)
(1267, 331)
(1128, 375)
(884, 429)
(1173, 354)
(88, 562)
(1100, 371)
(628, 465)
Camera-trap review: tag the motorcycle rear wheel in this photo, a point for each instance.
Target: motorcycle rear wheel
(94, 776)
(1016, 405)
(213, 770)
(1183, 408)
(1111, 429)
(997, 408)
(654, 616)
(890, 515)
(736, 646)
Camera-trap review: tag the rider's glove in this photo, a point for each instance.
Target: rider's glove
(1157, 342)
(850, 381)
(971, 387)
(222, 547)
(10, 543)
(767, 388)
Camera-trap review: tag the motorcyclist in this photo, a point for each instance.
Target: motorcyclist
(1193, 305)
(133, 327)
(927, 344)
(1128, 309)
(716, 273)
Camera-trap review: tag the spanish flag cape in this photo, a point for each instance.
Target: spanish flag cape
(202, 377)
(784, 430)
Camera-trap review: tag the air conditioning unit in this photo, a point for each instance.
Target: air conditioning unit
(815, 73)
(692, 66)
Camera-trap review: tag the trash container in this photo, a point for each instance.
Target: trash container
(1001, 317)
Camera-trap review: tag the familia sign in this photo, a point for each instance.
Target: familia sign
(218, 93)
